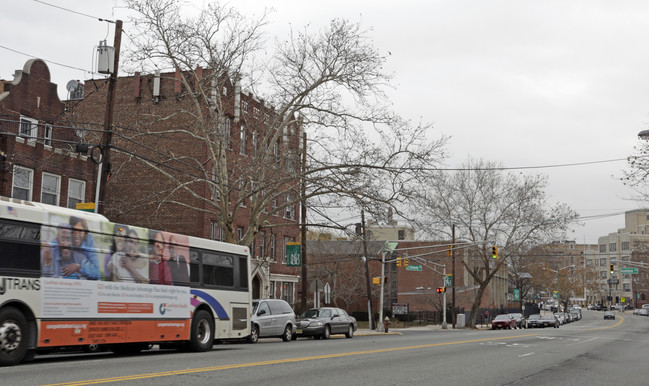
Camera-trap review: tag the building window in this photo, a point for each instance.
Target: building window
(287, 292)
(23, 182)
(239, 233)
(273, 246)
(226, 127)
(289, 211)
(612, 247)
(271, 290)
(602, 274)
(626, 286)
(216, 233)
(401, 234)
(242, 140)
(254, 143)
(625, 245)
(47, 135)
(602, 262)
(262, 244)
(287, 240)
(602, 248)
(28, 127)
(50, 189)
(76, 192)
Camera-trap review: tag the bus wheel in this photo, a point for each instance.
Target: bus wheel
(13, 336)
(202, 334)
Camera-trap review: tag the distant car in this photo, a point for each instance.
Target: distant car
(576, 315)
(548, 320)
(609, 315)
(534, 321)
(503, 321)
(521, 322)
(643, 311)
(321, 323)
(272, 318)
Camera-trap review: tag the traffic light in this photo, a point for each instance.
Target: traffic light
(441, 290)
(398, 263)
(494, 252)
(405, 262)
(612, 268)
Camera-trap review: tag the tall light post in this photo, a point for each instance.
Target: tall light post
(559, 278)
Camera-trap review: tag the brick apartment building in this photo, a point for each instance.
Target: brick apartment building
(38, 156)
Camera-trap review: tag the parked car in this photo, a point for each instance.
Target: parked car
(521, 322)
(272, 318)
(321, 323)
(643, 311)
(534, 321)
(609, 315)
(549, 321)
(503, 321)
(561, 317)
(576, 315)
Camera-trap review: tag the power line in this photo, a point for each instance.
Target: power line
(76, 12)
(48, 61)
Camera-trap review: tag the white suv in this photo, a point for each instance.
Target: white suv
(272, 318)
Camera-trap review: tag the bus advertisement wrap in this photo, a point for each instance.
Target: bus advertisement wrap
(63, 298)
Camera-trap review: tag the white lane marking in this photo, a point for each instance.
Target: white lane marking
(526, 355)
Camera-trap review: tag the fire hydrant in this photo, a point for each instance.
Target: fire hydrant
(386, 324)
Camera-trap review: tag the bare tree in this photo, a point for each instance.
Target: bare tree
(490, 207)
(328, 83)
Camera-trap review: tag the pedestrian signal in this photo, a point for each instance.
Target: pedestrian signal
(441, 290)
(494, 252)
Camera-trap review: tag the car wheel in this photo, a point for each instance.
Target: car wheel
(350, 332)
(326, 334)
(254, 334)
(14, 336)
(288, 333)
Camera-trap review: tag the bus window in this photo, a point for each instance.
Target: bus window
(20, 246)
(218, 269)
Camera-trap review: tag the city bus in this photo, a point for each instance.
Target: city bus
(73, 278)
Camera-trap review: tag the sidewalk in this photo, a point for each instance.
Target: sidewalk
(434, 327)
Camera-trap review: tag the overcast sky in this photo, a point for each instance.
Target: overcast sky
(524, 83)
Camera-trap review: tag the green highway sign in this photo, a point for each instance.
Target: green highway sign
(413, 268)
(628, 270)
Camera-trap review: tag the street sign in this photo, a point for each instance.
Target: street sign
(86, 206)
(399, 308)
(629, 270)
(448, 281)
(517, 295)
(555, 294)
(413, 268)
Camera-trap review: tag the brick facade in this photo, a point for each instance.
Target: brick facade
(135, 193)
(36, 140)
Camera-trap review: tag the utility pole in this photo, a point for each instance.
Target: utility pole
(367, 272)
(453, 271)
(303, 216)
(104, 167)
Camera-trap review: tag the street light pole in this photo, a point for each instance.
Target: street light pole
(379, 326)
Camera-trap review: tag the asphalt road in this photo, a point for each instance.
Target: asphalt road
(592, 351)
